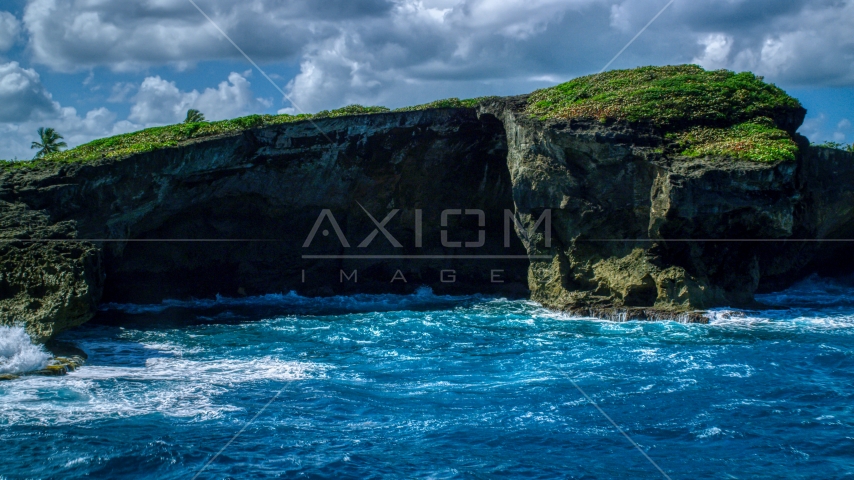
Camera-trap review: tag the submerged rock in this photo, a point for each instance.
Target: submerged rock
(641, 226)
(61, 366)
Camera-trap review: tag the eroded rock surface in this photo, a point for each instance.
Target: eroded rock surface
(232, 215)
(639, 234)
(635, 233)
(46, 284)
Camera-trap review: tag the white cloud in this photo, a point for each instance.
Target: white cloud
(504, 44)
(776, 55)
(22, 95)
(716, 51)
(340, 72)
(159, 101)
(70, 35)
(10, 29)
(26, 105)
(516, 19)
(120, 92)
(820, 128)
(808, 45)
(430, 50)
(839, 135)
(620, 18)
(15, 138)
(399, 52)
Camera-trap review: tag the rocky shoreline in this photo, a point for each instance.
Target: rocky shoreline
(636, 232)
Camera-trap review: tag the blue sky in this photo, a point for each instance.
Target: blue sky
(93, 68)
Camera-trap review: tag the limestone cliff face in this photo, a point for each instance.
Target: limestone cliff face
(232, 216)
(634, 233)
(637, 234)
(50, 285)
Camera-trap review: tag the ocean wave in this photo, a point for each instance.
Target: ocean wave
(421, 298)
(225, 372)
(18, 353)
(814, 292)
(33, 401)
(838, 319)
(172, 387)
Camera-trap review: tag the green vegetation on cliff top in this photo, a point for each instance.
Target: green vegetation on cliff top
(703, 112)
(448, 103)
(718, 113)
(836, 146)
(121, 146)
(758, 140)
(670, 97)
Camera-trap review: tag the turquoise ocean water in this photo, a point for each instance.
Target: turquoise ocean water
(427, 386)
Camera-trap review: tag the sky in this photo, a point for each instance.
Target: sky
(95, 68)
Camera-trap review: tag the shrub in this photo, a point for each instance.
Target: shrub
(758, 140)
(835, 145)
(447, 103)
(669, 97)
(122, 146)
(718, 112)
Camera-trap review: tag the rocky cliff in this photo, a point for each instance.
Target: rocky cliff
(234, 216)
(640, 234)
(606, 216)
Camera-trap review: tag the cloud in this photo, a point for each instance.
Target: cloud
(820, 128)
(10, 29)
(403, 52)
(159, 101)
(121, 91)
(716, 51)
(429, 50)
(813, 127)
(22, 95)
(806, 43)
(15, 138)
(70, 35)
(25, 105)
(843, 125)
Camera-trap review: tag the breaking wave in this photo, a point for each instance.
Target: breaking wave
(18, 353)
(422, 298)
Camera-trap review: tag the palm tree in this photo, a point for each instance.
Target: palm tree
(194, 116)
(50, 142)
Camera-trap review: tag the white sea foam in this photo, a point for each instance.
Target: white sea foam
(424, 296)
(223, 372)
(172, 387)
(709, 432)
(18, 354)
(792, 320)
